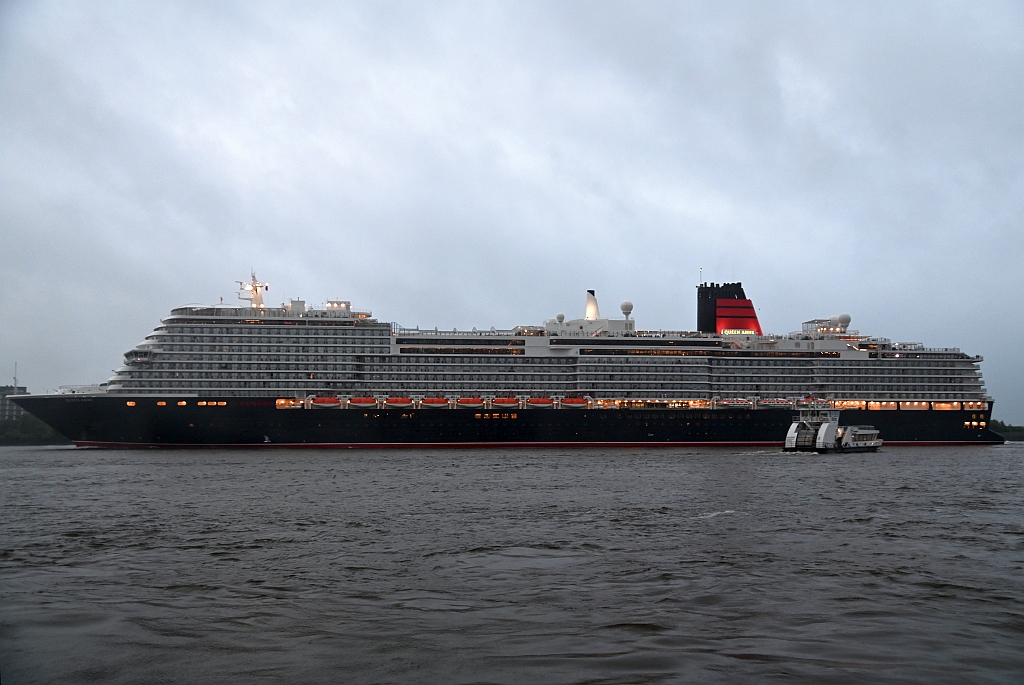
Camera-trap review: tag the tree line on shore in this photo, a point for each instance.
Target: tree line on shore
(28, 430)
(1007, 430)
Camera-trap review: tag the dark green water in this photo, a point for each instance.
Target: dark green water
(512, 566)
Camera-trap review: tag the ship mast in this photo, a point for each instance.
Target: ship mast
(253, 291)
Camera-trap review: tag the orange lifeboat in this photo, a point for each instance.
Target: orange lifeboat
(362, 402)
(469, 402)
(574, 403)
(540, 403)
(505, 403)
(775, 403)
(326, 403)
(398, 402)
(433, 403)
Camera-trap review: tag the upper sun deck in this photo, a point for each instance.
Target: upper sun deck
(252, 291)
(292, 311)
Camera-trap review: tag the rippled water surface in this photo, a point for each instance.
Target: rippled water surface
(512, 566)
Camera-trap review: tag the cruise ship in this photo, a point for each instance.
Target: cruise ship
(334, 376)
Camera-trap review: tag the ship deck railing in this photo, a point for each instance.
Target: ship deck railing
(440, 333)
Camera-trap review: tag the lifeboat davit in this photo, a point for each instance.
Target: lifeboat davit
(775, 403)
(505, 403)
(469, 402)
(326, 402)
(574, 403)
(540, 403)
(399, 402)
(433, 403)
(362, 402)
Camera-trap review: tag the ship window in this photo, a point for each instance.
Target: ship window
(130, 403)
(182, 403)
(161, 404)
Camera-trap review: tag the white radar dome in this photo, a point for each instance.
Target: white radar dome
(844, 320)
(560, 318)
(627, 308)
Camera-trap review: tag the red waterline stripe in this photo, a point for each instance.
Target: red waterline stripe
(426, 445)
(449, 445)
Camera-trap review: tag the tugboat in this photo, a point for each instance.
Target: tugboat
(819, 431)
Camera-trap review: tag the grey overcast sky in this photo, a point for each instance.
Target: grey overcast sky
(478, 164)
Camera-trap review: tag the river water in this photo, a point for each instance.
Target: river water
(512, 566)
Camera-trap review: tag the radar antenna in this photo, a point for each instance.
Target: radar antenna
(253, 291)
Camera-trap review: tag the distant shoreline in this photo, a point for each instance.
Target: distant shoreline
(28, 430)
(1008, 431)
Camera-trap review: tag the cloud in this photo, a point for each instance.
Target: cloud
(478, 164)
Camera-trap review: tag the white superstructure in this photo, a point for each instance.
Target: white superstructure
(297, 350)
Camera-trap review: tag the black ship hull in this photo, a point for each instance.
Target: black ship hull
(109, 421)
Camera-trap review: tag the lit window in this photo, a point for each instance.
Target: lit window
(222, 404)
(182, 403)
(130, 403)
(161, 404)
(203, 404)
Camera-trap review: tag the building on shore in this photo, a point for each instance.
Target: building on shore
(9, 410)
